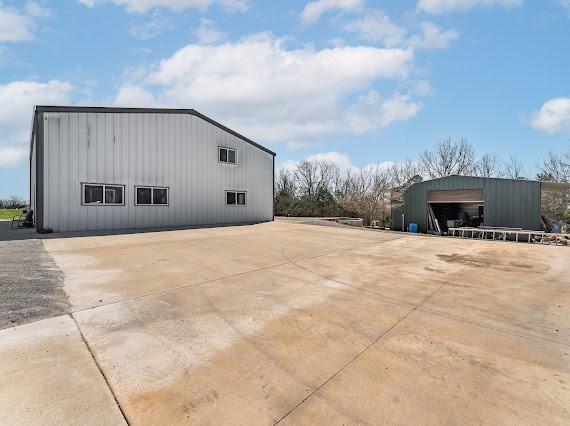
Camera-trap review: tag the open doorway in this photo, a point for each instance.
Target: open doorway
(455, 208)
(455, 215)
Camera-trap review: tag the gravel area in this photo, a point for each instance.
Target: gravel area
(31, 284)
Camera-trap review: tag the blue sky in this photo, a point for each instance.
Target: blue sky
(352, 81)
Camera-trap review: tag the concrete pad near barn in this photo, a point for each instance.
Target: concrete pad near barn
(299, 324)
(48, 377)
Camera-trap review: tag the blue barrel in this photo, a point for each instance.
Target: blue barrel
(413, 227)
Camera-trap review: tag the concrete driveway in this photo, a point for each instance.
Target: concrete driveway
(295, 324)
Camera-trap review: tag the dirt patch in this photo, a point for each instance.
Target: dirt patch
(31, 284)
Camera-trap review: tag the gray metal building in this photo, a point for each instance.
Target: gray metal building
(472, 201)
(97, 168)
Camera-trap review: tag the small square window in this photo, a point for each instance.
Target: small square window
(93, 194)
(227, 155)
(231, 156)
(113, 194)
(160, 196)
(241, 198)
(223, 155)
(144, 196)
(230, 198)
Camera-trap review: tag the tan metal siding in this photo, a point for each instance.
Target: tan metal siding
(455, 196)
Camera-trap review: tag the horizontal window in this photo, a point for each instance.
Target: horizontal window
(102, 194)
(151, 196)
(227, 155)
(236, 198)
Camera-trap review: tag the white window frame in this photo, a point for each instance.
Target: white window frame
(152, 188)
(227, 155)
(236, 192)
(104, 185)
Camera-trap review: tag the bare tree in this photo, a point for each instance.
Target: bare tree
(402, 176)
(514, 169)
(488, 166)
(306, 177)
(313, 177)
(449, 158)
(285, 183)
(556, 168)
(405, 174)
(366, 192)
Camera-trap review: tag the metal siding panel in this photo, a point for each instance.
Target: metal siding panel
(63, 211)
(74, 188)
(33, 181)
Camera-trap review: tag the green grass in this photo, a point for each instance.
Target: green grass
(9, 213)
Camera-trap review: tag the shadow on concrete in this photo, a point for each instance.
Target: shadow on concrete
(8, 234)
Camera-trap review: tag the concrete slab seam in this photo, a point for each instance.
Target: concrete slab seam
(173, 289)
(386, 333)
(500, 330)
(94, 358)
(402, 303)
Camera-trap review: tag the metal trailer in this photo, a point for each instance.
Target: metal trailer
(516, 235)
(176, 153)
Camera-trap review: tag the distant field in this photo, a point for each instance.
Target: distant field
(9, 213)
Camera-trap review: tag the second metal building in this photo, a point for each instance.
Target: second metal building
(471, 201)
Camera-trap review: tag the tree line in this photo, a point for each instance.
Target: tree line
(320, 188)
(12, 203)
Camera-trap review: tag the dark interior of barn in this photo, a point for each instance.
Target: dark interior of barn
(450, 215)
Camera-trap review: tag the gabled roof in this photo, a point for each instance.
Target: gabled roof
(79, 109)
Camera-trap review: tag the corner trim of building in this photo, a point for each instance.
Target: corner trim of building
(39, 213)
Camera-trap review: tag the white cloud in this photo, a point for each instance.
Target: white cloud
(314, 9)
(134, 96)
(207, 33)
(437, 7)
(376, 27)
(151, 28)
(17, 99)
(142, 6)
(37, 10)
(233, 6)
(553, 116)
(433, 37)
(12, 157)
(343, 161)
(280, 94)
(371, 113)
(15, 26)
